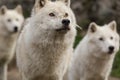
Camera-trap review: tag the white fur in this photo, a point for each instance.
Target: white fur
(42, 52)
(91, 60)
(8, 37)
(13, 15)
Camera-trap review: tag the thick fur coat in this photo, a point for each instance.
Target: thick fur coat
(11, 21)
(46, 45)
(94, 55)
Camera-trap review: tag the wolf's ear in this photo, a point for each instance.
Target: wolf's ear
(113, 25)
(38, 5)
(19, 9)
(67, 2)
(3, 10)
(42, 3)
(93, 27)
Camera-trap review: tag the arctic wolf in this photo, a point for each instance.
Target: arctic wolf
(46, 43)
(94, 55)
(11, 21)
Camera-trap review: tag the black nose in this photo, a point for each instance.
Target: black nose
(65, 22)
(15, 29)
(111, 48)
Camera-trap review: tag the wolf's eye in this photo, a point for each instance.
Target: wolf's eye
(111, 38)
(9, 20)
(66, 15)
(101, 39)
(52, 14)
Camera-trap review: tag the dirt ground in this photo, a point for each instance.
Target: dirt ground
(14, 75)
(112, 78)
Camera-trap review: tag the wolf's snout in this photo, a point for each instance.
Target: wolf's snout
(65, 22)
(111, 49)
(15, 29)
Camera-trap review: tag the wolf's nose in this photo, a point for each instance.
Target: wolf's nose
(65, 22)
(111, 48)
(15, 29)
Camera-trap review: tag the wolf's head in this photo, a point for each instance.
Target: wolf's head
(104, 39)
(55, 15)
(12, 19)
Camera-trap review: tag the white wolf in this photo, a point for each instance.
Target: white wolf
(11, 21)
(46, 43)
(94, 55)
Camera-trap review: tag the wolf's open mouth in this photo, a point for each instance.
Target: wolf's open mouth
(64, 28)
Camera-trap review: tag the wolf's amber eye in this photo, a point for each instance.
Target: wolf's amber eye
(101, 39)
(66, 14)
(52, 14)
(111, 38)
(9, 20)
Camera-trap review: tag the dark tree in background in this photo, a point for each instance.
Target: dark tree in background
(26, 4)
(99, 11)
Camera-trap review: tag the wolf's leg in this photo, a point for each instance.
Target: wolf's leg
(3, 72)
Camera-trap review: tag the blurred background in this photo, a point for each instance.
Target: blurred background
(86, 11)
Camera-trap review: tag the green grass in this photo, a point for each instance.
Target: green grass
(116, 65)
(78, 39)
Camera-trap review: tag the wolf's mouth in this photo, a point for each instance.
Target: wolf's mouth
(110, 52)
(64, 28)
